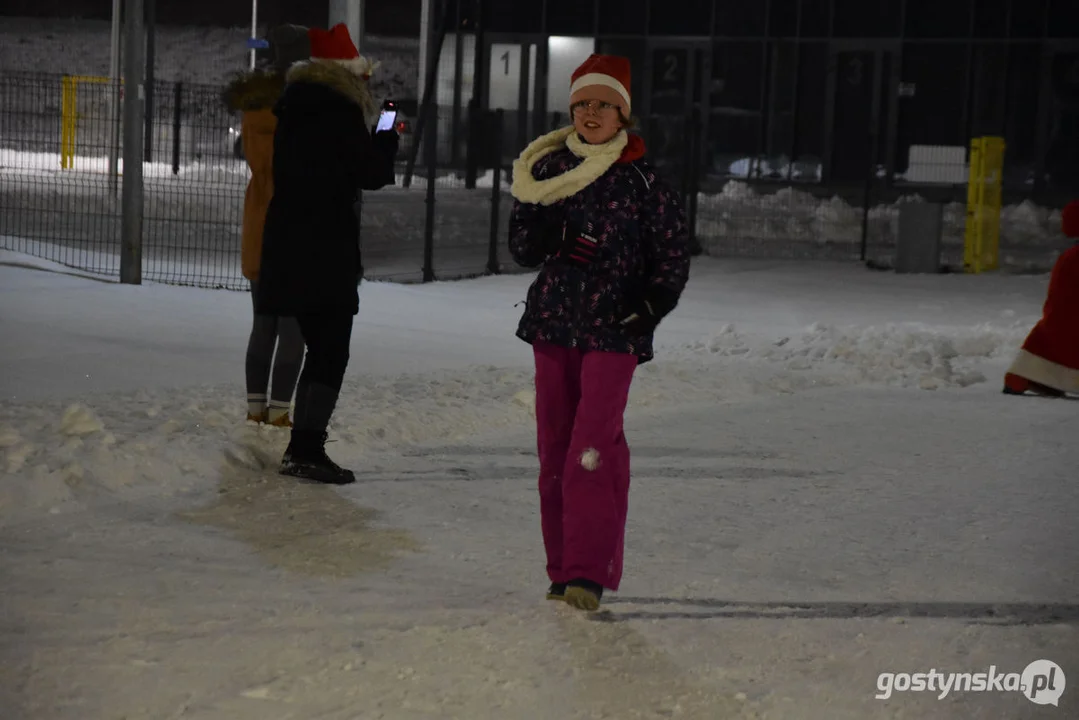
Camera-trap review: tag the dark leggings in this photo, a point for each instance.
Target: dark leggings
(328, 338)
(268, 332)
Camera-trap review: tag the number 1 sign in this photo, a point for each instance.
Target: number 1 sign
(505, 76)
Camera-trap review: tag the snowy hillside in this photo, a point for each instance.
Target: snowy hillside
(191, 54)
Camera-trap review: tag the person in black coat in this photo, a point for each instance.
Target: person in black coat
(324, 155)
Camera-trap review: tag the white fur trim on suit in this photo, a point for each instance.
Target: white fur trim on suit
(1038, 369)
(597, 159)
(604, 80)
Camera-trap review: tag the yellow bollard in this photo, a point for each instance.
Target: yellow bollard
(981, 248)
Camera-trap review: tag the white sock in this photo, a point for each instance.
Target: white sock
(256, 404)
(278, 410)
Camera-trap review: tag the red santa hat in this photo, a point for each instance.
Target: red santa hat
(603, 77)
(1069, 219)
(336, 45)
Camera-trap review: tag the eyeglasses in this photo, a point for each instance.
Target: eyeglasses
(592, 107)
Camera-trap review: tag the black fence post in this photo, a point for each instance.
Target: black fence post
(151, 45)
(148, 142)
(866, 202)
(479, 86)
(358, 208)
(458, 71)
(475, 143)
(177, 126)
(693, 172)
(430, 89)
(431, 148)
(493, 266)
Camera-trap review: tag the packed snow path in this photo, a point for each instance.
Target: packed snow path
(804, 515)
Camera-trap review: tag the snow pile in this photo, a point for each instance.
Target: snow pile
(485, 180)
(908, 355)
(161, 443)
(227, 171)
(1027, 220)
(167, 443)
(1024, 224)
(741, 215)
(224, 171)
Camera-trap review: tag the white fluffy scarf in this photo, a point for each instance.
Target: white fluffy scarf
(597, 159)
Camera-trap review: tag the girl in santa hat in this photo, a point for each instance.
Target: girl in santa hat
(612, 241)
(323, 155)
(1048, 363)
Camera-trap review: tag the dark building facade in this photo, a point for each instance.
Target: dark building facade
(826, 91)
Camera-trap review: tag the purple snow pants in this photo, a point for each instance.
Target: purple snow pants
(584, 461)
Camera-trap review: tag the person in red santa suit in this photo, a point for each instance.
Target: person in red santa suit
(1048, 363)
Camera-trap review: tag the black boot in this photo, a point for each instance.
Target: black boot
(557, 591)
(306, 458)
(584, 594)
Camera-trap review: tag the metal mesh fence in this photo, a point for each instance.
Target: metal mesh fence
(779, 222)
(59, 138)
(60, 182)
(194, 187)
(56, 201)
(467, 222)
(61, 179)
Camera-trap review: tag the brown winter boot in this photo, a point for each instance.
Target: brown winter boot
(277, 415)
(282, 422)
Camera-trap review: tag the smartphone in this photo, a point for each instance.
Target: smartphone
(387, 119)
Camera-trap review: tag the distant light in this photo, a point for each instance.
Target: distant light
(558, 43)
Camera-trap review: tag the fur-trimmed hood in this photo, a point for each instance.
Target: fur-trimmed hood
(253, 90)
(338, 78)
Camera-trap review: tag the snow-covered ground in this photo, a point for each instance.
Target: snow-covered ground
(828, 485)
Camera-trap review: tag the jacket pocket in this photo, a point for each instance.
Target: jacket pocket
(534, 307)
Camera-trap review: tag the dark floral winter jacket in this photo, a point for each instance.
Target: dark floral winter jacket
(642, 246)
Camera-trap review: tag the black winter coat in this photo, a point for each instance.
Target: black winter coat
(323, 156)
